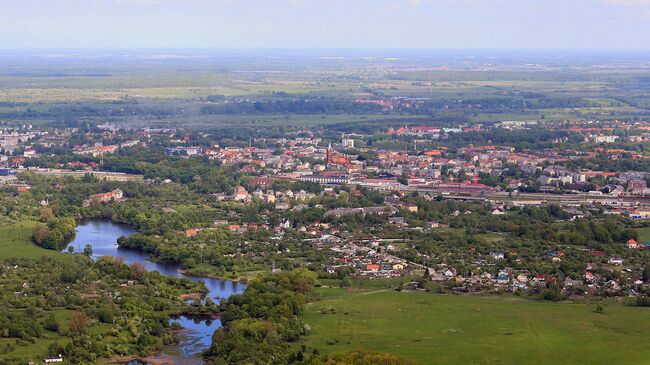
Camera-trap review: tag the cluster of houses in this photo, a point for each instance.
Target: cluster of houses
(380, 258)
(369, 258)
(604, 276)
(282, 199)
(13, 138)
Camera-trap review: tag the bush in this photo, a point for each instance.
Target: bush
(51, 324)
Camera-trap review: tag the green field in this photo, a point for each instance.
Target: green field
(643, 234)
(444, 329)
(16, 242)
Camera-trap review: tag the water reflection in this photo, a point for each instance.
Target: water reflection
(197, 335)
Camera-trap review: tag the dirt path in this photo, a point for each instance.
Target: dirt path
(376, 291)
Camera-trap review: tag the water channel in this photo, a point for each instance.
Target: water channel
(102, 235)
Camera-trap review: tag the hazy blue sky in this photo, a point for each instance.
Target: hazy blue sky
(448, 24)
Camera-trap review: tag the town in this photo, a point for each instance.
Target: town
(327, 206)
(485, 180)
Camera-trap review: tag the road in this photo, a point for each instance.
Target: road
(543, 197)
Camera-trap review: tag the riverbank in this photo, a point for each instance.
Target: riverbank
(156, 359)
(204, 271)
(169, 355)
(245, 278)
(102, 235)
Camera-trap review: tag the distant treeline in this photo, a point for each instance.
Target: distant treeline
(296, 106)
(520, 139)
(80, 111)
(506, 104)
(11, 104)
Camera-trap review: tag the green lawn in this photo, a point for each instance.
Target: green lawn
(492, 237)
(16, 241)
(446, 329)
(643, 234)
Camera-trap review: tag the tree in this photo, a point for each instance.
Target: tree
(88, 250)
(54, 349)
(136, 271)
(78, 323)
(40, 233)
(51, 324)
(346, 282)
(118, 262)
(46, 214)
(70, 249)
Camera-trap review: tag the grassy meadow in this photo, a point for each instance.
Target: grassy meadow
(643, 234)
(16, 242)
(446, 329)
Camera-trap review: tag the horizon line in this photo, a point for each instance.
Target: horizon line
(218, 48)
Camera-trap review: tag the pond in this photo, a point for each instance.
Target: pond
(102, 235)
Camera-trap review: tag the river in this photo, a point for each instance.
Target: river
(102, 235)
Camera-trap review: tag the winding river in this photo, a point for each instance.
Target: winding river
(102, 235)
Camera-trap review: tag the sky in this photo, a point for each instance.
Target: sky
(317, 24)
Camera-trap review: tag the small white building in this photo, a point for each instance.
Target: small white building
(54, 359)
